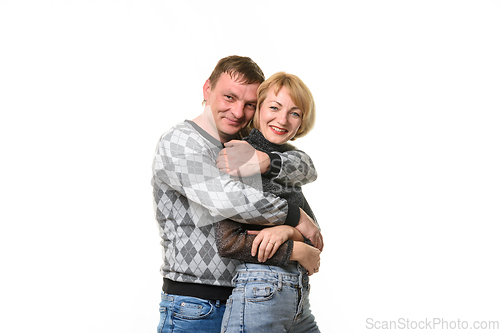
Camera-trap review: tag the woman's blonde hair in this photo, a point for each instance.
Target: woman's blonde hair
(299, 93)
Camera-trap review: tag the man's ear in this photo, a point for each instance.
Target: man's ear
(206, 90)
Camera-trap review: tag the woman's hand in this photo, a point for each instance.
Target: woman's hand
(268, 240)
(307, 256)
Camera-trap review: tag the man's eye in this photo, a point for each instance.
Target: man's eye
(229, 97)
(251, 106)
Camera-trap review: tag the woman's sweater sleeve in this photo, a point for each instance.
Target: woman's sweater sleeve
(234, 242)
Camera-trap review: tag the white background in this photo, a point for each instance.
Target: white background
(406, 145)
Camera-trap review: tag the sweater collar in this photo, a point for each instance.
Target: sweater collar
(256, 138)
(205, 134)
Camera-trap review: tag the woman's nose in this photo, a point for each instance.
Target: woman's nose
(282, 118)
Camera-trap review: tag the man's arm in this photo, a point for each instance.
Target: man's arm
(291, 168)
(189, 168)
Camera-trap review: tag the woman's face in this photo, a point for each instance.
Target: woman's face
(279, 117)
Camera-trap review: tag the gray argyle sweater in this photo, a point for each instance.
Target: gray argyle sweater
(191, 195)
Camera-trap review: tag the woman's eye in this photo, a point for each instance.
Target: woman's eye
(274, 108)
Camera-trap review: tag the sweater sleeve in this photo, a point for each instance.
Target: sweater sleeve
(291, 168)
(235, 243)
(184, 164)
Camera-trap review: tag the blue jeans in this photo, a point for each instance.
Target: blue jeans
(269, 299)
(189, 314)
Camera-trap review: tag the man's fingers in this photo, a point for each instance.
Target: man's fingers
(222, 161)
(222, 164)
(231, 143)
(319, 241)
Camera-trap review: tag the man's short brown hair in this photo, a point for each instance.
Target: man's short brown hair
(241, 69)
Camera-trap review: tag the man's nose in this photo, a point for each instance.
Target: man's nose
(238, 110)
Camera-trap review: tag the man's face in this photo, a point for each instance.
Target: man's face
(232, 104)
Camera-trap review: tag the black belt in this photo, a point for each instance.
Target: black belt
(203, 291)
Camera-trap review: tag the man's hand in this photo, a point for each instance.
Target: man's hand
(309, 229)
(240, 159)
(307, 256)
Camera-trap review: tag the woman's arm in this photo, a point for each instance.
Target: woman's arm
(268, 240)
(233, 241)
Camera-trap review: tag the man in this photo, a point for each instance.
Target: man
(191, 194)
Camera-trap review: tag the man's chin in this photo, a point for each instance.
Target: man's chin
(229, 133)
(232, 133)
(233, 127)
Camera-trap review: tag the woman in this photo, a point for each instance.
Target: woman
(271, 291)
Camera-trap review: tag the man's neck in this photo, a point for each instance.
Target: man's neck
(208, 125)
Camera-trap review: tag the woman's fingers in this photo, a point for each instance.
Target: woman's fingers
(264, 249)
(256, 243)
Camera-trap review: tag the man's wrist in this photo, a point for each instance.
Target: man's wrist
(264, 161)
(296, 235)
(296, 252)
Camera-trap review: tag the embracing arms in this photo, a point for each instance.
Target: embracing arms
(276, 245)
(290, 168)
(293, 167)
(185, 165)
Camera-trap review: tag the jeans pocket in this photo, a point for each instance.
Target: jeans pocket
(260, 292)
(192, 308)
